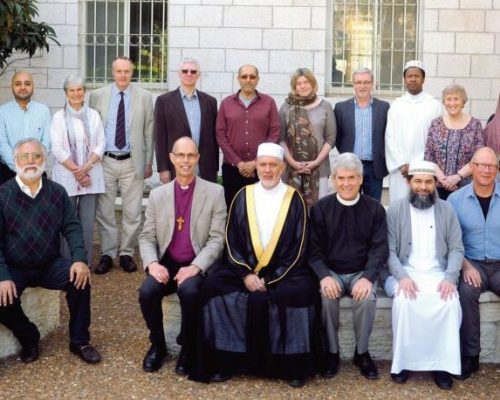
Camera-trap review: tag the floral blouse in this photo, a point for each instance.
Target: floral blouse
(451, 149)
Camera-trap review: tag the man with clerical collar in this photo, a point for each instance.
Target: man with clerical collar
(426, 254)
(408, 122)
(245, 120)
(259, 302)
(347, 248)
(182, 236)
(34, 213)
(478, 209)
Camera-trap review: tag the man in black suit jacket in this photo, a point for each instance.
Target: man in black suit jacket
(355, 135)
(186, 111)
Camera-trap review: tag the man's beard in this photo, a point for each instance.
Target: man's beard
(30, 176)
(422, 202)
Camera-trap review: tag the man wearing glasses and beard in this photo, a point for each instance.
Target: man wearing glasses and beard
(186, 111)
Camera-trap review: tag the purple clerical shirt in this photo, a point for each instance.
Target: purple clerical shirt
(180, 248)
(240, 130)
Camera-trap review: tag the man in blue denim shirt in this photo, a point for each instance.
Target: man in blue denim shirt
(478, 209)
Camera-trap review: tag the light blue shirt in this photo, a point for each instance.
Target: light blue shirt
(17, 123)
(363, 125)
(193, 113)
(481, 237)
(110, 130)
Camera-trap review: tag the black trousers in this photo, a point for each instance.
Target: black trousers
(151, 295)
(233, 181)
(55, 276)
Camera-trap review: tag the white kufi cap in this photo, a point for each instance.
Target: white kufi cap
(271, 149)
(415, 63)
(422, 167)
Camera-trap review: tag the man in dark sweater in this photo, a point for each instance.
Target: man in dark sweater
(34, 212)
(348, 246)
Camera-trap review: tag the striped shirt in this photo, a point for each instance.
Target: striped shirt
(17, 123)
(193, 113)
(363, 123)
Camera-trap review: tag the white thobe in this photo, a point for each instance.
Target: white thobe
(426, 329)
(408, 122)
(267, 207)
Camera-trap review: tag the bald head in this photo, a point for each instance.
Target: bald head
(484, 167)
(485, 154)
(22, 87)
(184, 157)
(184, 142)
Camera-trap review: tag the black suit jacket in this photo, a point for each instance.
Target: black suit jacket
(171, 123)
(346, 131)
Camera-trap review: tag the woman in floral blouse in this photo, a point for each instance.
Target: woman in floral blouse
(452, 140)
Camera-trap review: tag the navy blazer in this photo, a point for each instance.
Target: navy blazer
(171, 123)
(346, 131)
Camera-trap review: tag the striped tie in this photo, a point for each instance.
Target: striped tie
(120, 125)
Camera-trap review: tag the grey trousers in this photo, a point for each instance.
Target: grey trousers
(85, 206)
(363, 313)
(470, 330)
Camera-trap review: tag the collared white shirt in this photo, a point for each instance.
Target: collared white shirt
(26, 188)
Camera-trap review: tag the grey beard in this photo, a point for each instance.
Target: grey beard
(422, 202)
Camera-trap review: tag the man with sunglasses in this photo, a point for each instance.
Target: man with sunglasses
(477, 206)
(245, 120)
(186, 111)
(183, 235)
(34, 213)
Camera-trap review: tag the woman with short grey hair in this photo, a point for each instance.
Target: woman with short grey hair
(78, 143)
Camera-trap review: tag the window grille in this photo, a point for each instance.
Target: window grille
(379, 34)
(133, 28)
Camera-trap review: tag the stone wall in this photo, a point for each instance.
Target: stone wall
(42, 308)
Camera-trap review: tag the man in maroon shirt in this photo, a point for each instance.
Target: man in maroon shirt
(182, 236)
(245, 120)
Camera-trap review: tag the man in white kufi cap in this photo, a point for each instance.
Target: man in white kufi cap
(426, 254)
(259, 311)
(408, 122)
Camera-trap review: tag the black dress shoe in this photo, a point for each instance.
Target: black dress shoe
(331, 365)
(366, 365)
(296, 383)
(220, 377)
(86, 352)
(154, 358)
(402, 377)
(105, 264)
(127, 263)
(181, 368)
(443, 380)
(29, 353)
(470, 364)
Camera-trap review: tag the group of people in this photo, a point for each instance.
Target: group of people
(261, 262)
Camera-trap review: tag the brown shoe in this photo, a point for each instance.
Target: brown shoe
(105, 264)
(127, 263)
(86, 352)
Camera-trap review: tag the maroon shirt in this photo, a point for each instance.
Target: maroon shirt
(180, 248)
(240, 130)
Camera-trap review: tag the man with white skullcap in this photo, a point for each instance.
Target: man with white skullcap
(408, 122)
(347, 249)
(259, 311)
(426, 254)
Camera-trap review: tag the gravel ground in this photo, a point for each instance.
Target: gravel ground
(119, 332)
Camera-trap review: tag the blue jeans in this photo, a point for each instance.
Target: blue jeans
(372, 186)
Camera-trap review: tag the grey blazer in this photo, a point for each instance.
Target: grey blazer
(449, 247)
(141, 122)
(207, 226)
(346, 131)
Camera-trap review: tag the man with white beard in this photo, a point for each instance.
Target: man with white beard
(426, 254)
(34, 212)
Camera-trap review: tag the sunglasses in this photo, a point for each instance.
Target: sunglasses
(189, 71)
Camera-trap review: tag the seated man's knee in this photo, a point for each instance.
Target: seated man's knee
(468, 292)
(190, 288)
(151, 289)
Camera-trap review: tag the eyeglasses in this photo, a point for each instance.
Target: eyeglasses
(363, 83)
(190, 156)
(26, 156)
(189, 71)
(485, 166)
(251, 77)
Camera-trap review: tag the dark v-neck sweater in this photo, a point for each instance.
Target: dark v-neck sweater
(30, 228)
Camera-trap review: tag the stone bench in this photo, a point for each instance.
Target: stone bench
(381, 337)
(42, 308)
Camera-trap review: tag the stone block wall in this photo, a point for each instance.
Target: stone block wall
(42, 308)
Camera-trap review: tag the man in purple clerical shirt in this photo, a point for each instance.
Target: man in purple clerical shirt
(183, 236)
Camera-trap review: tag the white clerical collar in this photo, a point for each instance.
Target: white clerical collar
(26, 188)
(348, 202)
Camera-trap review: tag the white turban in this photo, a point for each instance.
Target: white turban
(271, 149)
